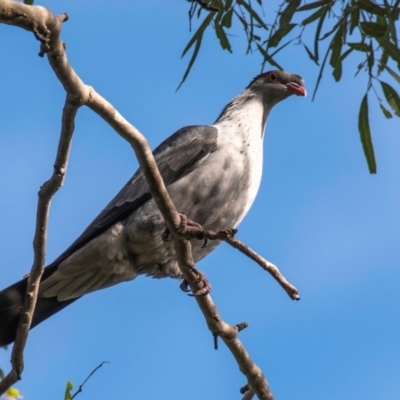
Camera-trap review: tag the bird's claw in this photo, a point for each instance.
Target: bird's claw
(206, 289)
(185, 221)
(184, 286)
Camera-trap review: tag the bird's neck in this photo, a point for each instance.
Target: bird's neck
(246, 111)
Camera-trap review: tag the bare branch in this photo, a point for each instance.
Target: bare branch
(266, 265)
(194, 232)
(46, 28)
(46, 192)
(89, 376)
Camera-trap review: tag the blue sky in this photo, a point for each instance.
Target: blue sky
(332, 228)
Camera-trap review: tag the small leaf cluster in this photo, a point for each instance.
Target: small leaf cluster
(219, 15)
(366, 27)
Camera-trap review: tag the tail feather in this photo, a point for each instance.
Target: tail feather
(11, 303)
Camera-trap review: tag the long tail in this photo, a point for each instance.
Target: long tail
(11, 302)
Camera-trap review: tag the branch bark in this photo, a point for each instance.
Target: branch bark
(46, 28)
(194, 232)
(46, 192)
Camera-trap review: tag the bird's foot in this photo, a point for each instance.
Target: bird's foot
(185, 221)
(206, 289)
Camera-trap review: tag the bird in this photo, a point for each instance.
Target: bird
(212, 173)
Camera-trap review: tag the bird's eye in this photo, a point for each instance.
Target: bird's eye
(272, 77)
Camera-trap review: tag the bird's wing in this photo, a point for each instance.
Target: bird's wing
(176, 157)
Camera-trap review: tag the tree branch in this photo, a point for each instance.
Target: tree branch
(248, 395)
(46, 192)
(194, 232)
(46, 28)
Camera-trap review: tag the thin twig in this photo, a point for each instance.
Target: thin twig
(266, 265)
(81, 386)
(194, 232)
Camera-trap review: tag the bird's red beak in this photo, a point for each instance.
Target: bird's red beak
(297, 89)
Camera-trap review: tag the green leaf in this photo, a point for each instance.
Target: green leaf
(314, 16)
(271, 55)
(228, 4)
(336, 46)
(28, 2)
(227, 19)
(370, 57)
(311, 55)
(318, 31)
(371, 7)
(268, 58)
(385, 111)
(373, 29)
(252, 13)
(287, 13)
(394, 74)
(281, 47)
(345, 54)
(394, 12)
(335, 27)
(381, 20)
(337, 72)
(279, 34)
(321, 70)
(392, 50)
(382, 62)
(218, 17)
(314, 5)
(2, 374)
(196, 38)
(68, 389)
(198, 35)
(193, 58)
(392, 97)
(223, 39)
(365, 135)
(354, 18)
(359, 46)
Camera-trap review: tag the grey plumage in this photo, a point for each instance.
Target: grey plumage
(212, 174)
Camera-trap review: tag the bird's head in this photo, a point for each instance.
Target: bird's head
(275, 86)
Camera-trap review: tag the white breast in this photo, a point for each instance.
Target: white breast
(241, 131)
